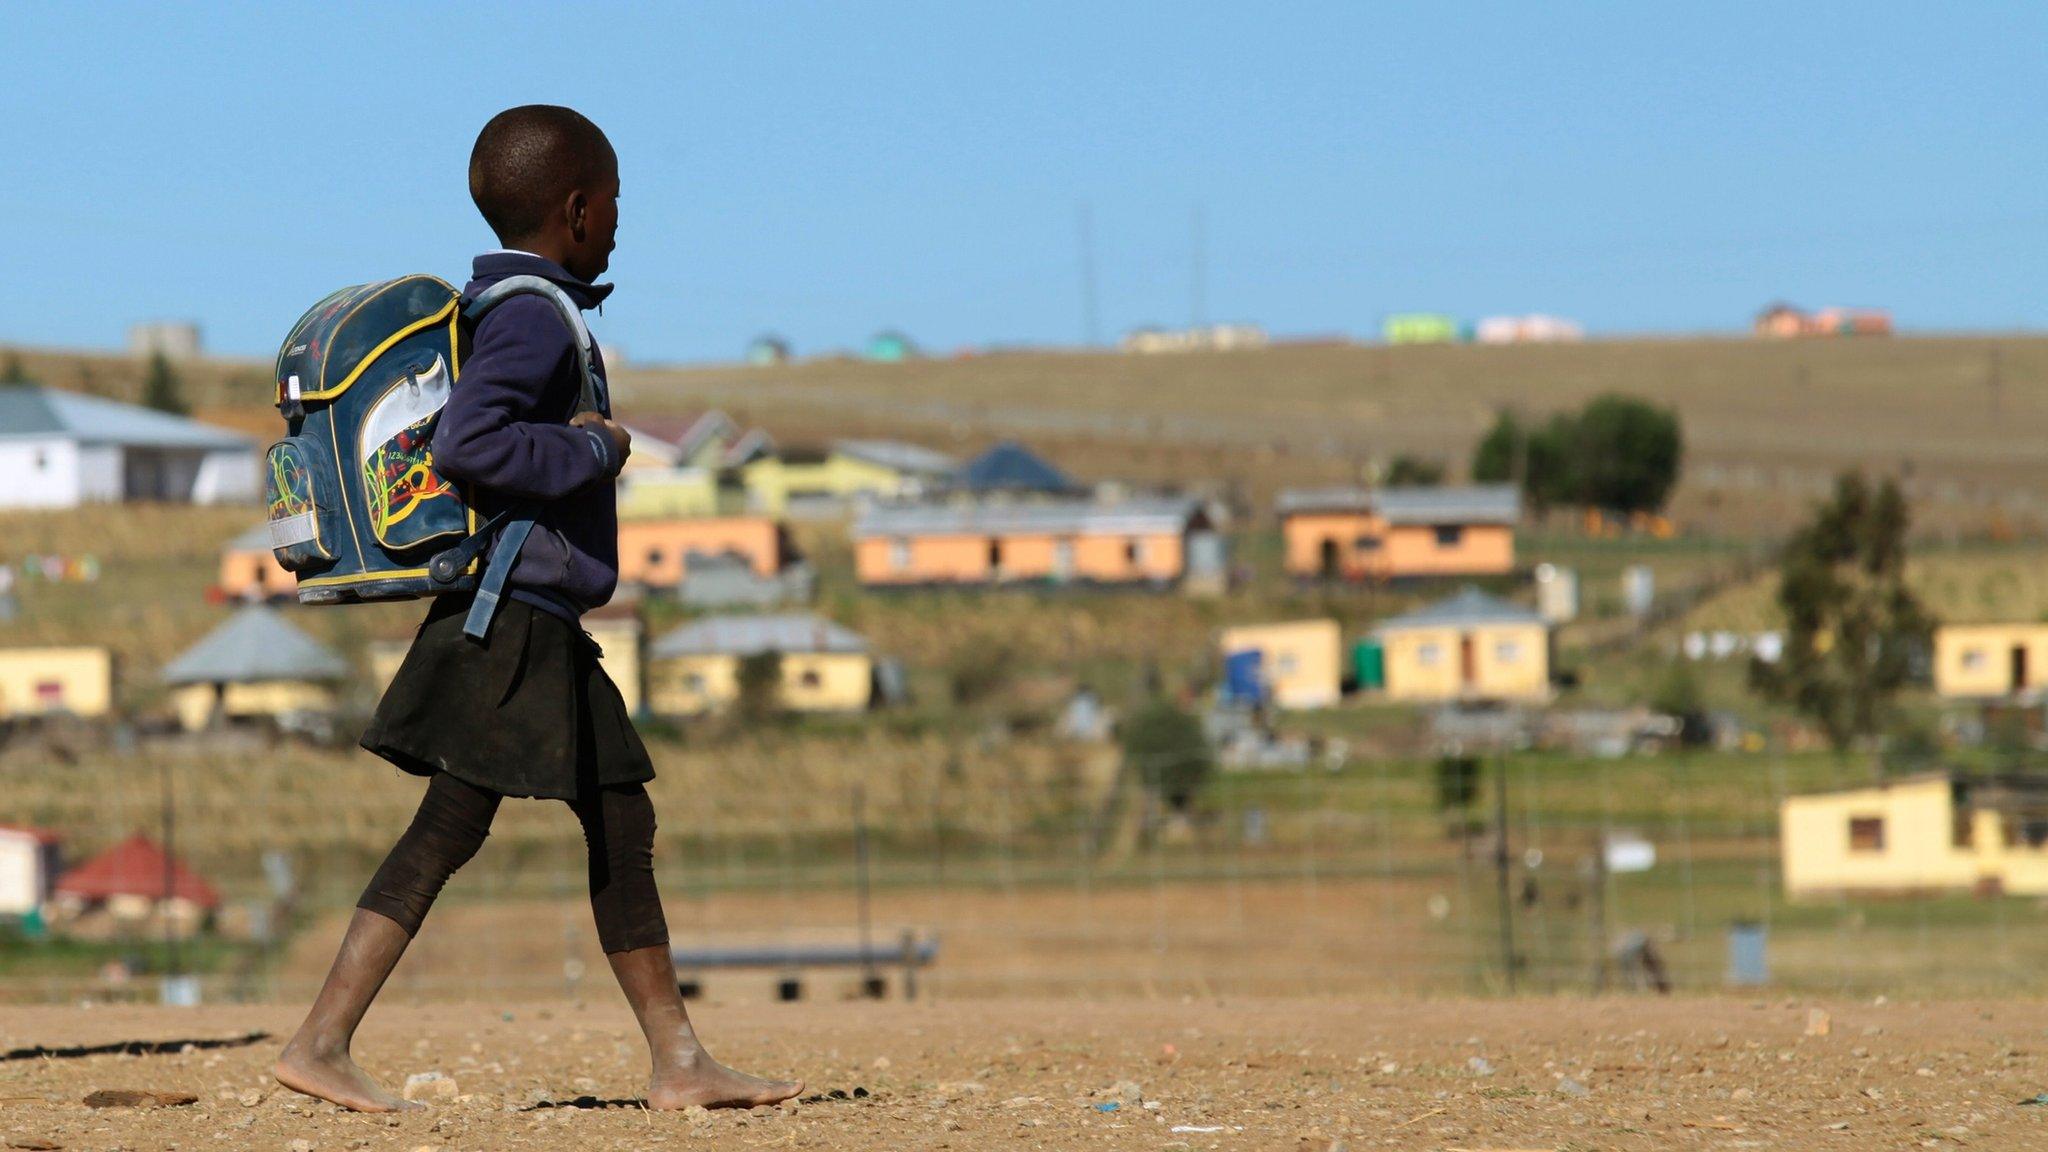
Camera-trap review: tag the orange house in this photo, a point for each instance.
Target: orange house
(1400, 533)
(1131, 542)
(655, 553)
(249, 569)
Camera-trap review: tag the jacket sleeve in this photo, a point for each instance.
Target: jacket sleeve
(500, 429)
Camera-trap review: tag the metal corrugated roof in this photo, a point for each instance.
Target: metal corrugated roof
(1465, 504)
(1062, 519)
(1469, 606)
(255, 644)
(752, 635)
(29, 411)
(900, 456)
(1471, 504)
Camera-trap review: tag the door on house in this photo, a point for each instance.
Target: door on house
(1331, 566)
(2019, 668)
(1468, 662)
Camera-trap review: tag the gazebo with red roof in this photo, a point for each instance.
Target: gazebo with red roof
(136, 866)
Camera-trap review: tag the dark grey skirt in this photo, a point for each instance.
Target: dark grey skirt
(527, 712)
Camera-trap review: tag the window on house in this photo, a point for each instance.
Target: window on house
(1134, 551)
(1508, 651)
(899, 554)
(1366, 543)
(1429, 655)
(654, 555)
(49, 692)
(810, 678)
(1959, 830)
(1866, 833)
(693, 682)
(1974, 659)
(1449, 535)
(1286, 664)
(42, 460)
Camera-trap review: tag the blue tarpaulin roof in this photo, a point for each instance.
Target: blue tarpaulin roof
(1011, 467)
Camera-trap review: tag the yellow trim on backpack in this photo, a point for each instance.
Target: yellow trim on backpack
(445, 314)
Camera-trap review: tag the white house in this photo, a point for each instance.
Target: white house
(28, 867)
(62, 449)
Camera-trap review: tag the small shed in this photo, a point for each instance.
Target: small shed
(255, 665)
(76, 681)
(1471, 646)
(135, 881)
(890, 346)
(62, 449)
(249, 569)
(824, 667)
(1295, 664)
(1990, 661)
(29, 862)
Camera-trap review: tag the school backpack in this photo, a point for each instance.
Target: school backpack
(357, 511)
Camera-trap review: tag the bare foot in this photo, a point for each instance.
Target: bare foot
(699, 1081)
(334, 1077)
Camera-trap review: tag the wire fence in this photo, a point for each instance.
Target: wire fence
(1038, 875)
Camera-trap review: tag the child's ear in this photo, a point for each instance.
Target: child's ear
(577, 206)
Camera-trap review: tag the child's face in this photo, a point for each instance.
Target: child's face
(593, 242)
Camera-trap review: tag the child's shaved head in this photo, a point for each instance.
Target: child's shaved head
(528, 160)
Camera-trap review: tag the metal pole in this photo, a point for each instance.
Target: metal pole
(860, 857)
(1500, 867)
(173, 962)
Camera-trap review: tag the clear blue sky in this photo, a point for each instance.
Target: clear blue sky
(825, 171)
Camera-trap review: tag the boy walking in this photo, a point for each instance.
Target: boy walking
(526, 712)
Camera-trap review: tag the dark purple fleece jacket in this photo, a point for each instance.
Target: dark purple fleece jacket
(505, 433)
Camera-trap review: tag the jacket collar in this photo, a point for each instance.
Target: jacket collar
(492, 267)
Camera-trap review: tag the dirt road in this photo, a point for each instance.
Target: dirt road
(1292, 1074)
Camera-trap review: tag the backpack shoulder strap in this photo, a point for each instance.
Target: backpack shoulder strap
(579, 332)
(513, 532)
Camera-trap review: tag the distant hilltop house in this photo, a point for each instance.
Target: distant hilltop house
(1207, 338)
(890, 346)
(1472, 648)
(1421, 328)
(1534, 328)
(42, 682)
(63, 449)
(1400, 533)
(1990, 661)
(1294, 664)
(256, 665)
(1783, 321)
(172, 339)
(767, 350)
(1153, 541)
(1934, 832)
(822, 666)
(715, 561)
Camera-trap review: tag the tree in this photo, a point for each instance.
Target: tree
(1625, 454)
(1854, 630)
(1617, 453)
(161, 390)
(1534, 458)
(12, 372)
(760, 686)
(1413, 472)
(1166, 748)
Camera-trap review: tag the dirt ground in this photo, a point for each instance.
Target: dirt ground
(1619, 1073)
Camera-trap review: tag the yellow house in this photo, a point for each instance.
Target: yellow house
(1984, 661)
(256, 665)
(696, 668)
(659, 493)
(56, 682)
(850, 468)
(1932, 832)
(1298, 664)
(1470, 647)
(615, 627)
(249, 569)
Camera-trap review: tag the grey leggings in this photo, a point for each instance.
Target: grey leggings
(455, 817)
